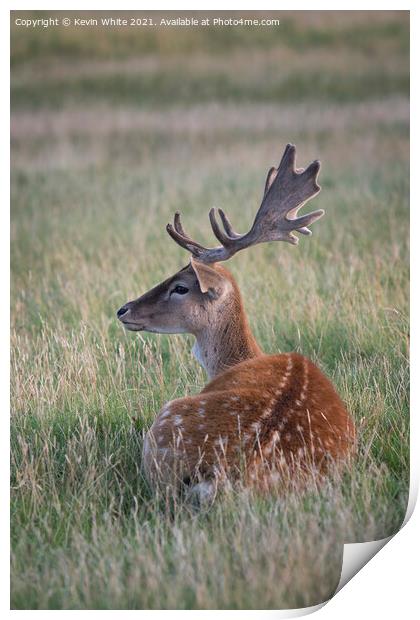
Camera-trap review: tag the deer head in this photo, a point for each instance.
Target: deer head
(203, 298)
(182, 303)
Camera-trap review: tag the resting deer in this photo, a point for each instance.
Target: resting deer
(269, 418)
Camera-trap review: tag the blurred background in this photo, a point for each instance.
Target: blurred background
(112, 131)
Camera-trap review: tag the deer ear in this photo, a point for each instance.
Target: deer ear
(209, 280)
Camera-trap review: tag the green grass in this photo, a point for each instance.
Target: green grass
(101, 160)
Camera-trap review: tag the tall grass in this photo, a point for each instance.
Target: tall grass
(96, 175)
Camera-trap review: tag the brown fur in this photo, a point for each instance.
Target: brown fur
(272, 412)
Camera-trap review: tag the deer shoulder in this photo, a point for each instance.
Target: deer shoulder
(273, 408)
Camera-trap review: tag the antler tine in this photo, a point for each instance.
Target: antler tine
(180, 240)
(312, 172)
(179, 235)
(304, 230)
(292, 181)
(227, 240)
(288, 161)
(219, 234)
(227, 225)
(272, 173)
(177, 224)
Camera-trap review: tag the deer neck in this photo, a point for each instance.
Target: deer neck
(226, 341)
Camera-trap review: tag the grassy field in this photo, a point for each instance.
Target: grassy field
(112, 131)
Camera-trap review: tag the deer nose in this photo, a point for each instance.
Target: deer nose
(123, 310)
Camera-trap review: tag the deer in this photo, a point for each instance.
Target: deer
(270, 420)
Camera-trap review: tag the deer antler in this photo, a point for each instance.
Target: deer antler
(286, 191)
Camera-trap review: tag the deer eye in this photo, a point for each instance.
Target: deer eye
(181, 290)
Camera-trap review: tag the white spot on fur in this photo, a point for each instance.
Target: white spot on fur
(201, 426)
(305, 381)
(288, 372)
(298, 402)
(234, 398)
(178, 420)
(202, 412)
(299, 428)
(203, 402)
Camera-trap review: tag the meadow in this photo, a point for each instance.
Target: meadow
(112, 132)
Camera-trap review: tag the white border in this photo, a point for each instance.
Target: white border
(387, 586)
